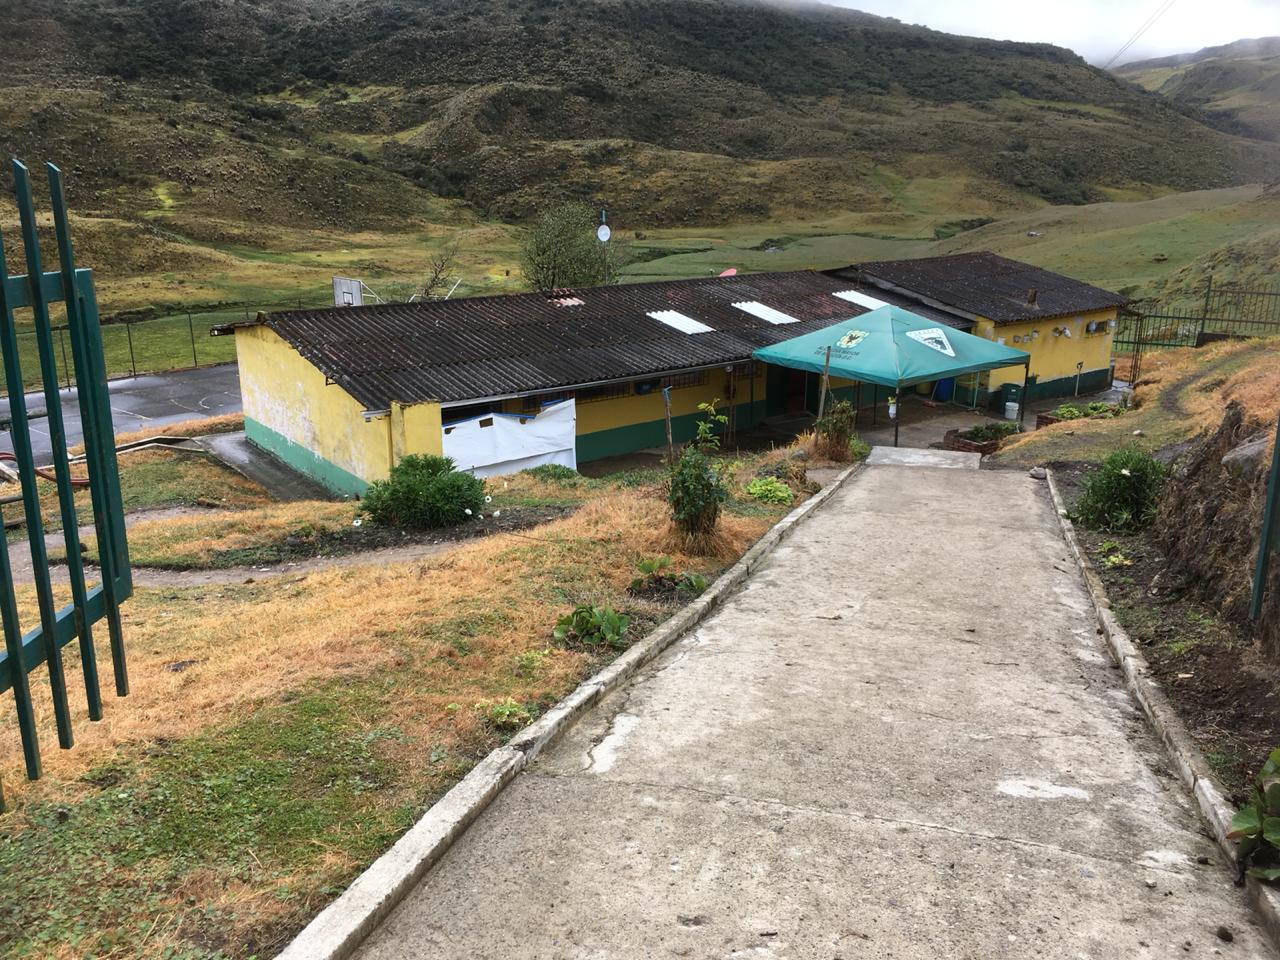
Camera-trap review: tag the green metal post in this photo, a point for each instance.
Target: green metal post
(1269, 541)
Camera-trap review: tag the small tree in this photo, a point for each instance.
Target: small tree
(696, 490)
(561, 250)
(440, 268)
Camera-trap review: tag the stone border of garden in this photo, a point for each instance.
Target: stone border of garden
(1190, 763)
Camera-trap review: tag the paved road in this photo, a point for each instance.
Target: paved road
(151, 400)
(902, 738)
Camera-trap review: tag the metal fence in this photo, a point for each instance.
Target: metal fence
(25, 651)
(1228, 312)
(179, 341)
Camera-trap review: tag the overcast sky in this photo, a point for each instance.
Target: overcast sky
(1095, 29)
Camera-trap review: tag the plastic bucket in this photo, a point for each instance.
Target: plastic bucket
(1011, 410)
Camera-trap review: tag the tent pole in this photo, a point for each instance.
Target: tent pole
(826, 382)
(896, 421)
(1022, 397)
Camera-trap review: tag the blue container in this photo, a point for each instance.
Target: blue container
(944, 389)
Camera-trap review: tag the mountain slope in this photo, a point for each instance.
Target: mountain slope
(220, 118)
(1235, 86)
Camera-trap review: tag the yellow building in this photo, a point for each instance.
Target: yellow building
(502, 383)
(1065, 324)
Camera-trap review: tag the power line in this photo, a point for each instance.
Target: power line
(1147, 25)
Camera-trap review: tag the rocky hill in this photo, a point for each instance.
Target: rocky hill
(229, 117)
(1236, 87)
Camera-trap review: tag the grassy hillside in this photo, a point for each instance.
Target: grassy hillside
(326, 114)
(1162, 248)
(233, 156)
(1236, 87)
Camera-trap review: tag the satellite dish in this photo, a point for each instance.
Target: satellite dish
(603, 233)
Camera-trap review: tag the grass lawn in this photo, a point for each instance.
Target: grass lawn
(281, 734)
(157, 478)
(1182, 393)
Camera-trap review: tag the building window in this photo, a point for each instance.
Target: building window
(745, 371)
(609, 391)
(696, 379)
(457, 414)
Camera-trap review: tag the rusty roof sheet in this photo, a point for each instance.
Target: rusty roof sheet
(987, 285)
(480, 347)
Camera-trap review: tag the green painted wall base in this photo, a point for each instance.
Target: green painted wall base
(653, 433)
(1091, 381)
(330, 475)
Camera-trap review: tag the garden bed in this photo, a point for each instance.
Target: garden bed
(1226, 693)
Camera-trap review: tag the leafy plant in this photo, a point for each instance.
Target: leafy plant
(654, 579)
(424, 492)
(1113, 560)
(592, 628)
(506, 715)
(1256, 826)
(1121, 494)
(859, 449)
(696, 489)
(695, 493)
(1095, 408)
(834, 431)
(769, 490)
(996, 430)
(708, 436)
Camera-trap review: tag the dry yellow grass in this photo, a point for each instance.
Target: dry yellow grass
(210, 538)
(1182, 393)
(265, 689)
(251, 642)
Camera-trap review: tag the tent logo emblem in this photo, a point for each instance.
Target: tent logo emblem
(852, 338)
(934, 338)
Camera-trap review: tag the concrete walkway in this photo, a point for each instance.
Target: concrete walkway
(902, 738)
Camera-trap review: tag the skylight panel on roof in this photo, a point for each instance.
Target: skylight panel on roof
(679, 321)
(765, 312)
(860, 298)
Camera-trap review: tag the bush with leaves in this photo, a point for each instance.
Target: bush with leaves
(589, 627)
(995, 430)
(1121, 494)
(655, 581)
(1256, 826)
(834, 430)
(696, 488)
(769, 490)
(424, 492)
(695, 493)
(557, 474)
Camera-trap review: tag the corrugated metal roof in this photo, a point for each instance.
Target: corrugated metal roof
(456, 350)
(986, 285)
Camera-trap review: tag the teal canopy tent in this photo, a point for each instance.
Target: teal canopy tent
(894, 348)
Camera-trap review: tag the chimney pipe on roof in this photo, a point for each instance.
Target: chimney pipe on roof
(1031, 296)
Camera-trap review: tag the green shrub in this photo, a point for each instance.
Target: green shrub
(859, 449)
(1121, 494)
(985, 432)
(834, 431)
(592, 628)
(1068, 411)
(424, 492)
(1256, 826)
(769, 490)
(654, 580)
(695, 493)
(505, 715)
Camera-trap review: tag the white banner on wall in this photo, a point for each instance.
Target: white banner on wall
(499, 443)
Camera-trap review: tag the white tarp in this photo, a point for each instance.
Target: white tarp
(498, 443)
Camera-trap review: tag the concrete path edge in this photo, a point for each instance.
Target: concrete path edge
(1190, 763)
(338, 930)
